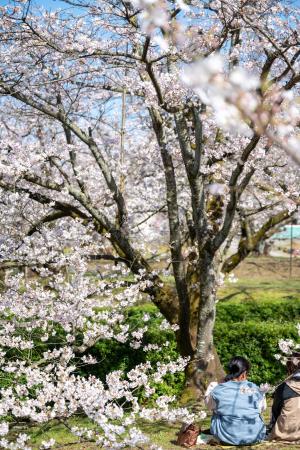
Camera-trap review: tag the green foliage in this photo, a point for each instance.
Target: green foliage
(252, 328)
(256, 341)
(248, 328)
(269, 309)
(113, 355)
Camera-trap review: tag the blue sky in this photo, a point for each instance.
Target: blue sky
(58, 3)
(54, 4)
(49, 4)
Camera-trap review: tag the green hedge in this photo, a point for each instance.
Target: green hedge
(284, 310)
(258, 342)
(250, 328)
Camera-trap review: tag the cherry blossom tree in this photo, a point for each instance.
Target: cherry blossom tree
(134, 117)
(45, 340)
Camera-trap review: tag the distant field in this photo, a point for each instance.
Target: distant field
(269, 268)
(267, 275)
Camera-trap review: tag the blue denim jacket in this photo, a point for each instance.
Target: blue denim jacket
(236, 419)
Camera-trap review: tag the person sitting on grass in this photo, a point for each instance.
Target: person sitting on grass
(236, 404)
(285, 420)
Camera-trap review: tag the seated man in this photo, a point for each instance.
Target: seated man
(285, 420)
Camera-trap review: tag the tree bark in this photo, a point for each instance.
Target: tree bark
(205, 365)
(207, 310)
(196, 381)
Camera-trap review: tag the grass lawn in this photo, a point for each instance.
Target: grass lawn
(160, 433)
(164, 435)
(264, 274)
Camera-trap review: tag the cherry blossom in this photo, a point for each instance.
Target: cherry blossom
(153, 140)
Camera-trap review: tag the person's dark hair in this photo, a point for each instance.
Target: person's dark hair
(236, 367)
(293, 363)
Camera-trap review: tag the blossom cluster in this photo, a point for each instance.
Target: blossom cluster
(241, 99)
(238, 105)
(287, 347)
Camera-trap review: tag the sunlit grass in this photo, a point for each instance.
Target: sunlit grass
(160, 433)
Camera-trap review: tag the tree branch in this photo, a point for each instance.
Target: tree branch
(248, 244)
(88, 140)
(175, 233)
(235, 192)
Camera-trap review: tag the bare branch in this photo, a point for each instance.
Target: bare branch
(235, 192)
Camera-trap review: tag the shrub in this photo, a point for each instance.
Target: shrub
(258, 342)
(258, 326)
(284, 310)
(113, 355)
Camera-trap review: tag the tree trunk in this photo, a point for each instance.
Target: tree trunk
(2, 279)
(207, 310)
(204, 365)
(197, 380)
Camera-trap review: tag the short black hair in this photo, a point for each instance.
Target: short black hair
(236, 366)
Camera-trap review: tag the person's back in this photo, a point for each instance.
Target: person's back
(285, 420)
(236, 405)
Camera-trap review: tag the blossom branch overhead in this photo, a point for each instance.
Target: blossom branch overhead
(242, 100)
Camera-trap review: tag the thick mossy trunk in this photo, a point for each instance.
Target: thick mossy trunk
(205, 365)
(197, 378)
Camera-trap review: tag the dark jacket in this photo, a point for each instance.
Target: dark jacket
(285, 421)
